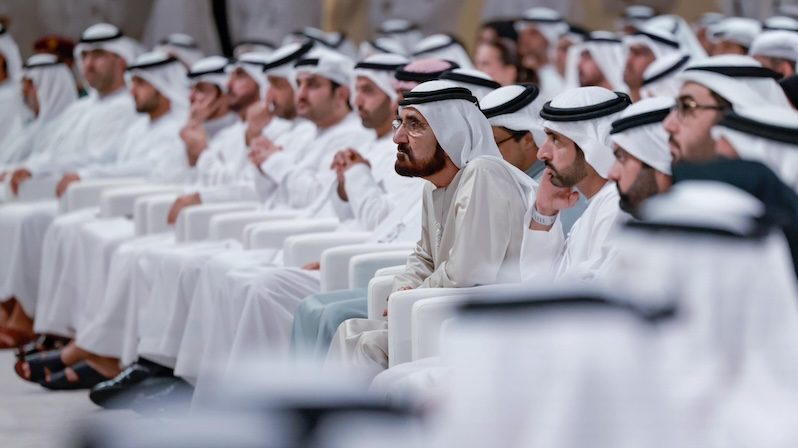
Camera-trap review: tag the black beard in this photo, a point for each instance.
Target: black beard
(412, 168)
(644, 187)
(568, 179)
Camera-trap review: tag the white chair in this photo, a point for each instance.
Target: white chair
(193, 223)
(272, 235)
(231, 225)
(379, 288)
(400, 307)
(362, 268)
(428, 316)
(429, 310)
(40, 188)
(117, 202)
(299, 250)
(86, 193)
(150, 213)
(335, 262)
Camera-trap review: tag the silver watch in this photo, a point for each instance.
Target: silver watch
(543, 219)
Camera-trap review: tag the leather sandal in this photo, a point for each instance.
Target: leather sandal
(87, 378)
(40, 364)
(44, 343)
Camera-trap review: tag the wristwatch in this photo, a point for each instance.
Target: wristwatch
(543, 219)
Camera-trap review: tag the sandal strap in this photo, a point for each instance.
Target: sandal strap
(38, 362)
(87, 378)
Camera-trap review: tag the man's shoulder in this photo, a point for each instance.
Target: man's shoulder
(493, 168)
(485, 164)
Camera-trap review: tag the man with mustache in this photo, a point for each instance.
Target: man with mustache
(642, 166)
(472, 206)
(710, 88)
(578, 156)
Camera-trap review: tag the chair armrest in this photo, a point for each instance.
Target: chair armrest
(363, 267)
(193, 223)
(335, 262)
(150, 212)
(119, 201)
(301, 249)
(379, 289)
(86, 193)
(272, 235)
(391, 270)
(427, 318)
(231, 225)
(36, 189)
(400, 307)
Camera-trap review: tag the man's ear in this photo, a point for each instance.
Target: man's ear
(529, 140)
(344, 93)
(786, 68)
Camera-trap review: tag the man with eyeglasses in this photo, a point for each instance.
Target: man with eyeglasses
(319, 315)
(473, 208)
(710, 88)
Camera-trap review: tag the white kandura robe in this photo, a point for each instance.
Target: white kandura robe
(92, 139)
(218, 323)
(74, 257)
(97, 243)
(34, 137)
(228, 174)
(60, 240)
(179, 273)
(373, 201)
(584, 252)
(13, 113)
(129, 285)
(92, 132)
(471, 235)
(302, 182)
(238, 313)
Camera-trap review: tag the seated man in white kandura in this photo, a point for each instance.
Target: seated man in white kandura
(473, 207)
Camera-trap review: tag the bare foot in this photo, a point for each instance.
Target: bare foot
(108, 367)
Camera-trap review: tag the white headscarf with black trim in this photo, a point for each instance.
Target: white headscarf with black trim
(776, 44)
(678, 27)
(739, 89)
(526, 118)
(764, 134)
(660, 41)
(659, 78)
(740, 30)
(382, 77)
(252, 63)
(478, 82)
(609, 53)
(104, 36)
(441, 46)
(181, 46)
(10, 51)
(166, 74)
(55, 85)
(646, 139)
(461, 128)
(565, 115)
(211, 70)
